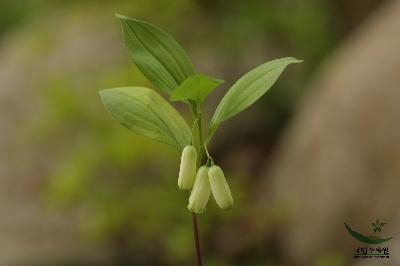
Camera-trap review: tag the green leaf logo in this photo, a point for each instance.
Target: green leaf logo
(373, 240)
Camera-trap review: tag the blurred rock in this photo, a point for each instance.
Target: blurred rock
(340, 159)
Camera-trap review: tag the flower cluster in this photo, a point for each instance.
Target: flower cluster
(206, 180)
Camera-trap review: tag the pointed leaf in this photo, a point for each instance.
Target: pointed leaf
(195, 88)
(249, 89)
(160, 58)
(144, 111)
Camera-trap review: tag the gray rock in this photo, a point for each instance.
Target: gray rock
(339, 161)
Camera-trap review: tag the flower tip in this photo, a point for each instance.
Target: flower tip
(227, 208)
(195, 210)
(182, 188)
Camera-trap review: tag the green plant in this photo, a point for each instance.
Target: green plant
(374, 240)
(163, 61)
(377, 226)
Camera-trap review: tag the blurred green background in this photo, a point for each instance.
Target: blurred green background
(79, 189)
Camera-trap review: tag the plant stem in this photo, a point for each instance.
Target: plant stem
(196, 239)
(199, 158)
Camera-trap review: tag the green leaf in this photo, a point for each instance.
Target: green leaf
(195, 88)
(249, 89)
(160, 58)
(144, 111)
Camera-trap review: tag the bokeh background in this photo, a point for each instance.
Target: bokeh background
(321, 148)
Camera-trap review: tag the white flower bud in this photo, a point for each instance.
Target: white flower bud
(220, 188)
(201, 191)
(187, 171)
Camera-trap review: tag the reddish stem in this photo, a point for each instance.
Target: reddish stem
(196, 239)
